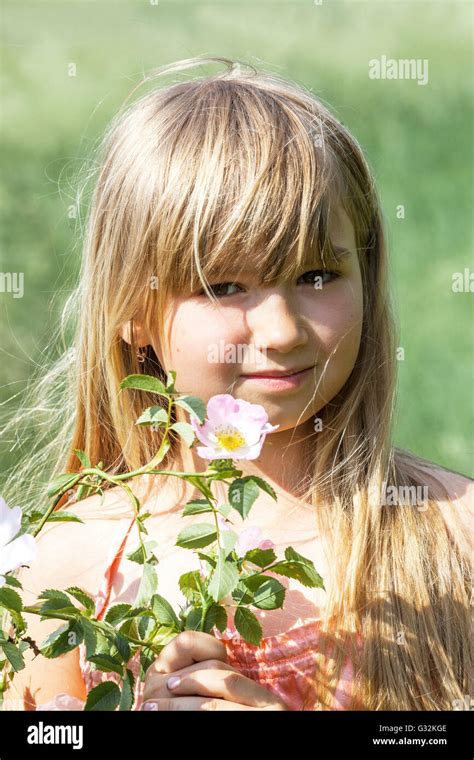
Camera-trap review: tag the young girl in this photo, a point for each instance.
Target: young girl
(235, 210)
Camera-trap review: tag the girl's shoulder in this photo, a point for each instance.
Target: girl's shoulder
(453, 493)
(72, 553)
(77, 552)
(457, 487)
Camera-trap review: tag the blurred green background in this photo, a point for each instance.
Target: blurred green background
(418, 140)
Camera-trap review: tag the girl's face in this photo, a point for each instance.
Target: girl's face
(299, 324)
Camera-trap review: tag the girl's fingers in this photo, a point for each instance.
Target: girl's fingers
(187, 648)
(156, 683)
(225, 684)
(194, 703)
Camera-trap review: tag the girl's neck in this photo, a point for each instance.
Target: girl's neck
(284, 461)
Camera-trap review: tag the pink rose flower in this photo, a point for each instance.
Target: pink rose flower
(234, 429)
(251, 538)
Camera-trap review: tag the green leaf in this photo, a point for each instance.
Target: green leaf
(13, 655)
(141, 557)
(216, 616)
(224, 509)
(165, 635)
(228, 539)
(241, 594)
(147, 658)
(193, 405)
(268, 593)
(129, 627)
(197, 536)
(242, 494)
(63, 640)
(153, 415)
(185, 431)
(144, 383)
(146, 626)
(53, 594)
(83, 458)
(117, 613)
(106, 663)
(264, 486)
(105, 696)
(148, 585)
(62, 516)
(170, 381)
(62, 482)
(95, 640)
(127, 696)
(193, 620)
(141, 518)
(164, 611)
(165, 446)
(201, 485)
(58, 516)
(190, 586)
(19, 622)
(12, 581)
(122, 647)
(224, 578)
(56, 601)
(260, 557)
(196, 506)
(248, 626)
(207, 558)
(300, 568)
(137, 555)
(10, 600)
(84, 598)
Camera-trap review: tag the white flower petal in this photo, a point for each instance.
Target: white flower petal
(20, 551)
(10, 522)
(206, 452)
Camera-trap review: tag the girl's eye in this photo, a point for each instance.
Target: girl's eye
(316, 276)
(219, 289)
(313, 277)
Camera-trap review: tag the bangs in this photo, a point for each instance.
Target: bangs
(257, 180)
(272, 266)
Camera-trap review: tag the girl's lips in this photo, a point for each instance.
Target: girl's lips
(283, 382)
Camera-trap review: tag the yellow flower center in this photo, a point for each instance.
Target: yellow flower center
(229, 438)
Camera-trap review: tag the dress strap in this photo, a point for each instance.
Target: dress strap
(114, 556)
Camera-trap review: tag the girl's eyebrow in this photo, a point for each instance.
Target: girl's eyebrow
(340, 251)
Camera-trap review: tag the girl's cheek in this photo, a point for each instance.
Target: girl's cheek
(338, 319)
(200, 331)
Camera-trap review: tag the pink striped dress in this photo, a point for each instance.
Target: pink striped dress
(284, 664)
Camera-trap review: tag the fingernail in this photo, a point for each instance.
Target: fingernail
(173, 682)
(150, 706)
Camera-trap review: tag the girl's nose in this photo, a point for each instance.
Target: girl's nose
(276, 324)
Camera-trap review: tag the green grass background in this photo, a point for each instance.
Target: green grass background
(418, 139)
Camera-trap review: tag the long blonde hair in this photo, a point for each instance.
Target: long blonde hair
(192, 176)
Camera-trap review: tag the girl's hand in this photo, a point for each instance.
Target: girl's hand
(207, 682)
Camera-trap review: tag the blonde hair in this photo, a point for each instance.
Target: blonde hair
(192, 177)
